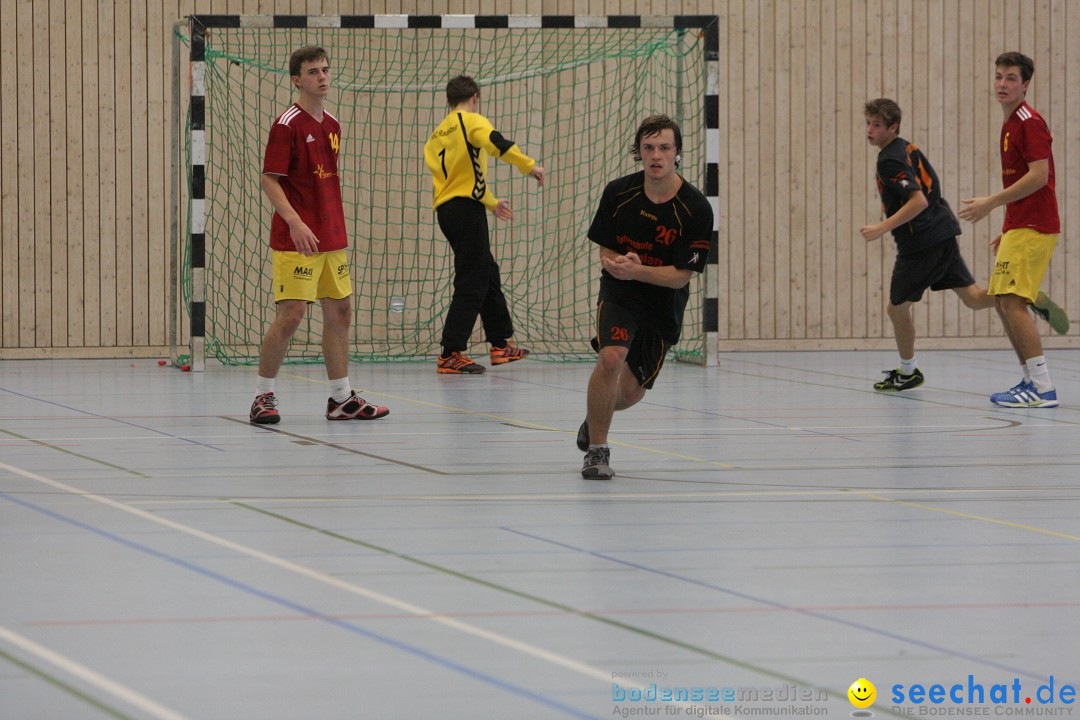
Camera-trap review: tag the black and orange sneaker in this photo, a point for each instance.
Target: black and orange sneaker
(458, 364)
(264, 410)
(583, 436)
(510, 353)
(355, 408)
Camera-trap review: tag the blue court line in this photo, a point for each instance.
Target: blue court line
(108, 417)
(781, 606)
(310, 612)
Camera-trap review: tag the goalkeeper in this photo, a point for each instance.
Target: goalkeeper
(457, 154)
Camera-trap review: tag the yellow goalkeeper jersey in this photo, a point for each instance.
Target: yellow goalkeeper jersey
(457, 155)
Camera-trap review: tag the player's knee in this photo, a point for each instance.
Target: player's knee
(337, 313)
(611, 358)
(290, 315)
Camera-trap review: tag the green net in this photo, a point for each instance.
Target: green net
(571, 98)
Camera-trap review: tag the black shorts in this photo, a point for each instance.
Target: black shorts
(617, 325)
(939, 268)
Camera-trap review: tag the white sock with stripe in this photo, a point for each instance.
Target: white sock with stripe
(1040, 374)
(340, 389)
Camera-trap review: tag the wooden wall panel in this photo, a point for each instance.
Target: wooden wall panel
(9, 194)
(84, 201)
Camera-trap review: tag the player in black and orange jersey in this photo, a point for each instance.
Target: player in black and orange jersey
(1028, 235)
(308, 241)
(654, 230)
(457, 155)
(925, 230)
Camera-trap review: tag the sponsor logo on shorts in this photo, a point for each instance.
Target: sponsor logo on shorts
(303, 272)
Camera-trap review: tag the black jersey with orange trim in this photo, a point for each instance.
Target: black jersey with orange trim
(676, 232)
(901, 170)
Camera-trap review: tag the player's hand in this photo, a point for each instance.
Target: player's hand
(503, 211)
(975, 209)
(303, 239)
(538, 173)
(632, 257)
(995, 243)
(621, 267)
(871, 232)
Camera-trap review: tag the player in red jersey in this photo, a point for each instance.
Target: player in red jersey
(308, 241)
(1029, 234)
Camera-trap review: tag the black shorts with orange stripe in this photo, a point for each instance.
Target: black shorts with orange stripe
(618, 325)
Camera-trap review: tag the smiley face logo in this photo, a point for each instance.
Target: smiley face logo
(862, 693)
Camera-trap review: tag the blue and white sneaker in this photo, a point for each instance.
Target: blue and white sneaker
(1022, 385)
(1025, 395)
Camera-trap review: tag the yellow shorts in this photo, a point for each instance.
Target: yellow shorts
(1022, 259)
(323, 275)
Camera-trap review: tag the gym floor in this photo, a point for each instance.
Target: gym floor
(776, 531)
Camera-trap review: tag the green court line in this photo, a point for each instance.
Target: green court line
(53, 680)
(689, 647)
(73, 453)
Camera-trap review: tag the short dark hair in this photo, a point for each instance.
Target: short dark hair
(652, 125)
(460, 89)
(1016, 59)
(884, 109)
(311, 53)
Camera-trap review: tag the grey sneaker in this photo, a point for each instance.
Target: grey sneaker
(583, 437)
(1051, 312)
(596, 465)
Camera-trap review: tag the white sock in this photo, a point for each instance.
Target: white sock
(264, 385)
(598, 445)
(907, 367)
(1040, 374)
(340, 389)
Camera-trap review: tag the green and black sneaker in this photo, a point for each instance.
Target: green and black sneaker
(1051, 312)
(895, 382)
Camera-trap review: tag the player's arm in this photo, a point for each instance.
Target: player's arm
(629, 267)
(1036, 178)
(507, 150)
(305, 241)
(915, 204)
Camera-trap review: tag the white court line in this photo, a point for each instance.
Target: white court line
(849, 492)
(98, 680)
(498, 639)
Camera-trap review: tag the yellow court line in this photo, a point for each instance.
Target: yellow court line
(533, 425)
(969, 516)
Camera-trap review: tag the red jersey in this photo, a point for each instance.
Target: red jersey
(1025, 138)
(304, 153)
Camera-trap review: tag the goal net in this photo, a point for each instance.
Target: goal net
(571, 97)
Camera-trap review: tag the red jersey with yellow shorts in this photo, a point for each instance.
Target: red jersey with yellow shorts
(1031, 227)
(303, 152)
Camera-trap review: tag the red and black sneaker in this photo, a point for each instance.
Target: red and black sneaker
(458, 364)
(510, 353)
(264, 410)
(355, 408)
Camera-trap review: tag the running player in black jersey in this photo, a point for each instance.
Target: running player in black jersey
(925, 230)
(654, 231)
